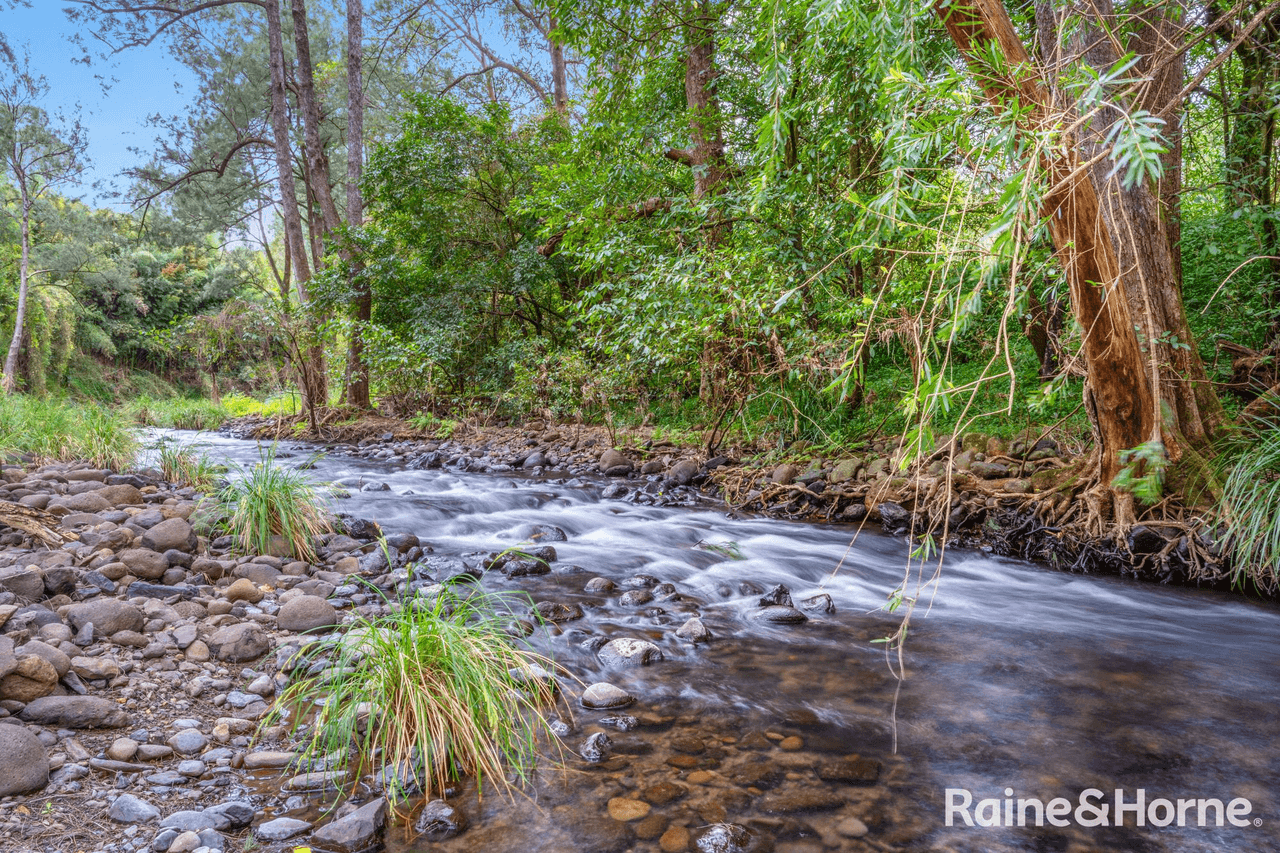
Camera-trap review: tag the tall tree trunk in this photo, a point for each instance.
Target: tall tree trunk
(1118, 391)
(559, 72)
(10, 379)
(310, 363)
(317, 160)
(357, 391)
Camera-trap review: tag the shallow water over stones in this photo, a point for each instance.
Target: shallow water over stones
(1018, 677)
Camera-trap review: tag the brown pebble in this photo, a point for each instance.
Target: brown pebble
(674, 840)
(699, 777)
(651, 827)
(684, 762)
(774, 735)
(791, 744)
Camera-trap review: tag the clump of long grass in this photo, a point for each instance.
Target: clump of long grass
(433, 692)
(186, 466)
(59, 430)
(177, 413)
(267, 501)
(1251, 509)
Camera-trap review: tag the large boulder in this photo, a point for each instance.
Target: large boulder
(121, 495)
(32, 678)
(25, 582)
(145, 563)
(24, 764)
(243, 641)
(86, 502)
(307, 613)
(614, 464)
(173, 533)
(74, 712)
(108, 615)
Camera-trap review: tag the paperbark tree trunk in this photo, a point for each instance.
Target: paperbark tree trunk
(317, 161)
(559, 72)
(1111, 245)
(10, 379)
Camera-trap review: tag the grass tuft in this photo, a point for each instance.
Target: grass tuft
(267, 501)
(1251, 509)
(186, 466)
(435, 691)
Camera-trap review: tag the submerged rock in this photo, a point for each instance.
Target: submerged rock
(440, 821)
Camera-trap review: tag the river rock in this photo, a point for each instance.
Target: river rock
(74, 712)
(629, 652)
(59, 580)
(614, 464)
(188, 742)
(108, 615)
(682, 473)
(356, 831)
(778, 596)
(440, 821)
(24, 582)
(626, 809)
(595, 749)
(851, 770)
(32, 678)
(100, 667)
(243, 641)
(172, 533)
(121, 494)
(694, 631)
(989, 470)
(546, 533)
(129, 809)
(820, 603)
(778, 615)
(243, 590)
(784, 474)
(280, 829)
(307, 613)
(599, 585)
(145, 563)
(84, 502)
(603, 696)
(61, 662)
(557, 612)
(24, 764)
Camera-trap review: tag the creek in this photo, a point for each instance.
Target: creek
(1018, 677)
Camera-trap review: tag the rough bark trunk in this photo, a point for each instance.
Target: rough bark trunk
(1117, 390)
(357, 391)
(10, 379)
(317, 161)
(310, 362)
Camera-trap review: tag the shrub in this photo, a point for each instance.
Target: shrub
(434, 691)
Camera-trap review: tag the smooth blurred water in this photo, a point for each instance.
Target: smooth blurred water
(1017, 676)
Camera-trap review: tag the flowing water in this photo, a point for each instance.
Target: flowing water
(1018, 677)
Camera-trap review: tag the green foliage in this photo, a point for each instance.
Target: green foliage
(58, 430)
(1251, 507)
(269, 501)
(1143, 472)
(282, 403)
(437, 690)
(187, 466)
(429, 423)
(176, 413)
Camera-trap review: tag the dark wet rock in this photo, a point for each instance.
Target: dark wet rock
(621, 722)
(440, 821)
(524, 568)
(694, 631)
(779, 596)
(820, 603)
(628, 652)
(604, 696)
(635, 597)
(557, 612)
(74, 712)
(24, 764)
(663, 793)
(360, 528)
(723, 838)
(778, 615)
(1146, 540)
(851, 770)
(59, 580)
(854, 512)
(595, 749)
(355, 832)
(142, 589)
(306, 613)
(665, 591)
(240, 642)
(614, 491)
(547, 533)
(640, 582)
(614, 464)
(894, 517)
(653, 466)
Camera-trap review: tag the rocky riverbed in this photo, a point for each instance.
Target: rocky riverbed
(708, 707)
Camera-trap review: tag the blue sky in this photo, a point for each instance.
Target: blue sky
(141, 84)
